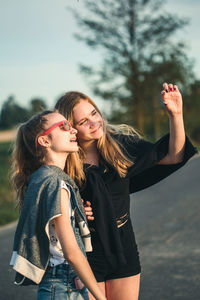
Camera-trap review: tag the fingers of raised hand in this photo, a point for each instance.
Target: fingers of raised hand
(167, 90)
(165, 87)
(164, 92)
(176, 88)
(172, 88)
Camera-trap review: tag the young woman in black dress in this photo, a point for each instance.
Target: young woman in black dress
(116, 164)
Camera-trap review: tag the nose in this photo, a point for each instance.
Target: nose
(93, 124)
(73, 131)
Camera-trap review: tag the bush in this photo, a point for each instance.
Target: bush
(8, 213)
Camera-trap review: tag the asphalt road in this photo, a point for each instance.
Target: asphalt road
(9, 291)
(166, 219)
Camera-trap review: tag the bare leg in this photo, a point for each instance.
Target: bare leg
(102, 287)
(123, 288)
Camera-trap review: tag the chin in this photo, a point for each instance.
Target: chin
(75, 149)
(98, 134)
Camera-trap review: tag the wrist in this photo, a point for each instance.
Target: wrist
(177, 116)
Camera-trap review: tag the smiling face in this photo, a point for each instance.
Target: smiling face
(58, 138)
(88, 122)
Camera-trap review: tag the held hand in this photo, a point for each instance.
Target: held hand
(172, 99)
(88, 211)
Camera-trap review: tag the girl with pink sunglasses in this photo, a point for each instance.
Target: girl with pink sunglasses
(52, 233)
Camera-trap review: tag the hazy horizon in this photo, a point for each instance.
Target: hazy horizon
(39, 55)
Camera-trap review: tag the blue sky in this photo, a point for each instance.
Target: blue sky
(39, 56)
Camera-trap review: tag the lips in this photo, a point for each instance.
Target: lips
(73, 140)
(96, 129)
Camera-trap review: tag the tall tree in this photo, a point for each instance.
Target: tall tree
(139, 54)
(12, 113)
(192, 110)
(37, 105)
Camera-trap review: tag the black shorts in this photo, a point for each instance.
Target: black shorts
(101, 268)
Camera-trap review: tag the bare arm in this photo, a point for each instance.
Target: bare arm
(71, 250)
(173, 102)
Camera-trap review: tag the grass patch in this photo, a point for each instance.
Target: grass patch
(8, 213)
(7, 202)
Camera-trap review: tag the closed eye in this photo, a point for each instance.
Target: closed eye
(94, 112)
(82, 122)
(62, 127)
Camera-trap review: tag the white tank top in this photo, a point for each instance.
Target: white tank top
(56, 253)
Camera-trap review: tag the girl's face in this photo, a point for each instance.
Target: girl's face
(87, 121)
(58, 137)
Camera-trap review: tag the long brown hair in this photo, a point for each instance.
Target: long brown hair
(109, 149)
(27, 157)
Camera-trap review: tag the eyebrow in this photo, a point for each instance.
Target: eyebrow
(85, 117)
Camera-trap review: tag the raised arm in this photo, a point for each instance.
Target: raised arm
(174, 106)
(71, 250)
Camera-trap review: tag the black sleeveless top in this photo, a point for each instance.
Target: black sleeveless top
(109, 194)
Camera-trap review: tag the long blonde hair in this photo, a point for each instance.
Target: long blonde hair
(107, 146)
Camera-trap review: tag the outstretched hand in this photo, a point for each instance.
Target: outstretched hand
(172, 99)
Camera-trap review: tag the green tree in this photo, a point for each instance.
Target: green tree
(37, 105)
(12, 113)
(192, 110)
(139, 54)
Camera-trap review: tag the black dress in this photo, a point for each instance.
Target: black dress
(115, 253)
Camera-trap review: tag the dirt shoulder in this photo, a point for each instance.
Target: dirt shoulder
(7, 135)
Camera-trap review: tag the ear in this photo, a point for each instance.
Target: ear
(44, 141)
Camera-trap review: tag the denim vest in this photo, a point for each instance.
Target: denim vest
(41, 204)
